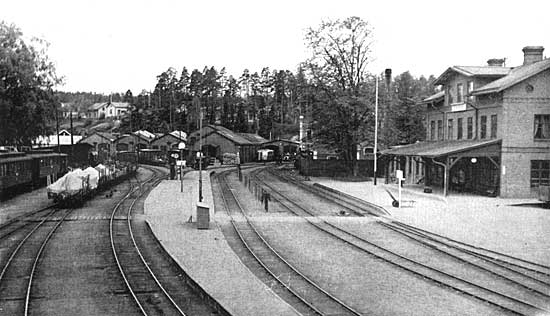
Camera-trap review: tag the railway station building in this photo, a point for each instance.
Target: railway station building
(488, 131)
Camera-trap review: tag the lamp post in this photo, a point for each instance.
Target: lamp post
(301, 130)
(387, 75)
(375, 150)
(57, 127)
(200, 156)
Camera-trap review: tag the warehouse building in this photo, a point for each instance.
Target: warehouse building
(218, 140)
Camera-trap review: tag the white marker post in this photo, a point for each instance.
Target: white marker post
(181, 163)
(399, 176)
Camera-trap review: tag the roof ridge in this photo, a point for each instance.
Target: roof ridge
(521, 73)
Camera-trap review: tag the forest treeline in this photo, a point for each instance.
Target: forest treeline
(332, 90)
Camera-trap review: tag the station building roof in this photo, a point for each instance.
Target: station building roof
(433, 149)
(514, 77)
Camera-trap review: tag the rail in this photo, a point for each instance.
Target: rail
(253, 228)
(400, 265)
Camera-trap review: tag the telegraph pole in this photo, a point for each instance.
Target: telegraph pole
(72, 141)
(57, 128)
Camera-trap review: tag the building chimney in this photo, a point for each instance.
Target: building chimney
(496, 62)
(532, 54)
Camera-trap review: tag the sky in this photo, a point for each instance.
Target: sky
(111, 46)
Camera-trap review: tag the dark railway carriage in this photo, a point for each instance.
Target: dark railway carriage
(47, 167)
(152, 156)
(15, 173)
(127, 157)
(20, 171)
(145, 156)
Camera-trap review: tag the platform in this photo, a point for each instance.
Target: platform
(204, 254)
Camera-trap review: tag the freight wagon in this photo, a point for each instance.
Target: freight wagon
(79, 185)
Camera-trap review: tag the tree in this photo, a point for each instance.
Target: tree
(407, 114)
(341, 51)
(342, 114)
(27, 77)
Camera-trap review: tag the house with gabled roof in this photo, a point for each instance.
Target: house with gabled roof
(108, 109)
(103, 143)
(488, 130)
(136, 140)
(217, 140)
(169, 141)
(64, 138)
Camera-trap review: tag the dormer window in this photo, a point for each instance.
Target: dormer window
(459, 93)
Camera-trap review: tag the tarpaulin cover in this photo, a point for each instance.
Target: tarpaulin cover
(70, 183)
(103, 170)
(94, 177)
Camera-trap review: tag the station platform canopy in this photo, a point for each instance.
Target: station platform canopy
(436, 149)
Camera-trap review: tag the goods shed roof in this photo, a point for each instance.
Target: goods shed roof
(253, 138)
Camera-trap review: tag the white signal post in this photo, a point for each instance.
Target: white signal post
(399, 176)
(181, 147)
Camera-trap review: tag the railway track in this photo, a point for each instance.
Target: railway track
(306, 296)
(535, 277)
(29, 253)
(533, 302)
(142, 284)
(25, 237)
(17, 223)
(155, 290)
(18, 272)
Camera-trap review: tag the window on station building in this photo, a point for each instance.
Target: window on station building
(540, 173)
(432, 130)
(459, 128)
(470, 128)
(494, 126)
(542, 126)
(450, 130)
(459, 93)
(483, 127)
(439, 129)
(449, 94)
(469, 89)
